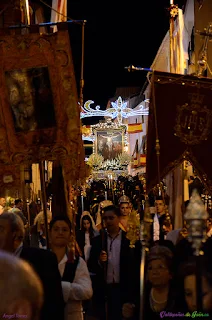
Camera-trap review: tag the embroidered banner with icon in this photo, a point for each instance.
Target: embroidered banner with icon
(40, 116)
(180, 118)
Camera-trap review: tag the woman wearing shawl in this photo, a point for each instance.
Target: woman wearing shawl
(103, 204)
(87, 231)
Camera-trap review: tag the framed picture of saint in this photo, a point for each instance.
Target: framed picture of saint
(30, 99)
(109, 143)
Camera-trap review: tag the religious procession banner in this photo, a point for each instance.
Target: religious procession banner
(39, 112)
(179, 126)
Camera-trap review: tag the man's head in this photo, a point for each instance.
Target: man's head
(3, 202)
(11, 231)
(160, 206)
(166, 222)
(21, 290)
(111, 218)
(60, 231)
(19, 204)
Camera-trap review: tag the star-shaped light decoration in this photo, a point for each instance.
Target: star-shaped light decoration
(119, 110)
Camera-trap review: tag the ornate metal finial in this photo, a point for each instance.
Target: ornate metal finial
(173, 10)
(196, 217)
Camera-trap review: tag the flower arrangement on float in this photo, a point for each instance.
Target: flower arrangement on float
(111, 165)
(95, 161)
(124, 159)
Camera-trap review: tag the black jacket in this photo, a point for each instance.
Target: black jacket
(45, 264)
(127, 265)
(80, 238)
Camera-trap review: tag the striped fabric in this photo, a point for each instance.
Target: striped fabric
(136, 162)
(134, 128)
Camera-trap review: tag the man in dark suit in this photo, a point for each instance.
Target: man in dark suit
(44, 263)
(18, 209)
(112, 262)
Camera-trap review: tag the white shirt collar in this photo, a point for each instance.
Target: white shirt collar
(64, 260)
(62, 264)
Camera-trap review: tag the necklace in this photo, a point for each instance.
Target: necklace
(155, 301)
(155, 305)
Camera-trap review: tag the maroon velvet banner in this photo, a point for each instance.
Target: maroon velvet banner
(181, 118)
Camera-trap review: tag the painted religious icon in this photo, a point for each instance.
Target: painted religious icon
(30, 98)
(109, 143)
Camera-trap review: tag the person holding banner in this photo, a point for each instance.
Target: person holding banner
(112, 260)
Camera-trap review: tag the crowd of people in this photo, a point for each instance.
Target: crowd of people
(96, 276)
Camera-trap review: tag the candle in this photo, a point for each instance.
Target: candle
(82, 203)
(171, 2)
(105, 195)
(50, 203)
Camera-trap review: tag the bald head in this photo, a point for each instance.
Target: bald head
(21, 290)
(11, 231)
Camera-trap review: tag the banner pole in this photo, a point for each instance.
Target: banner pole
(44, 200)
(171, 31)
(157, 142)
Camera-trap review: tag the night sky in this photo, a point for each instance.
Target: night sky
(117, 34)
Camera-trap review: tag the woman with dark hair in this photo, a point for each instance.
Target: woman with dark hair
(87, 232)
(159, 293)
(75, 278)
(187, 293)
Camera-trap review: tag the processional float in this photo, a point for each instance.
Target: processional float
(110, 157)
